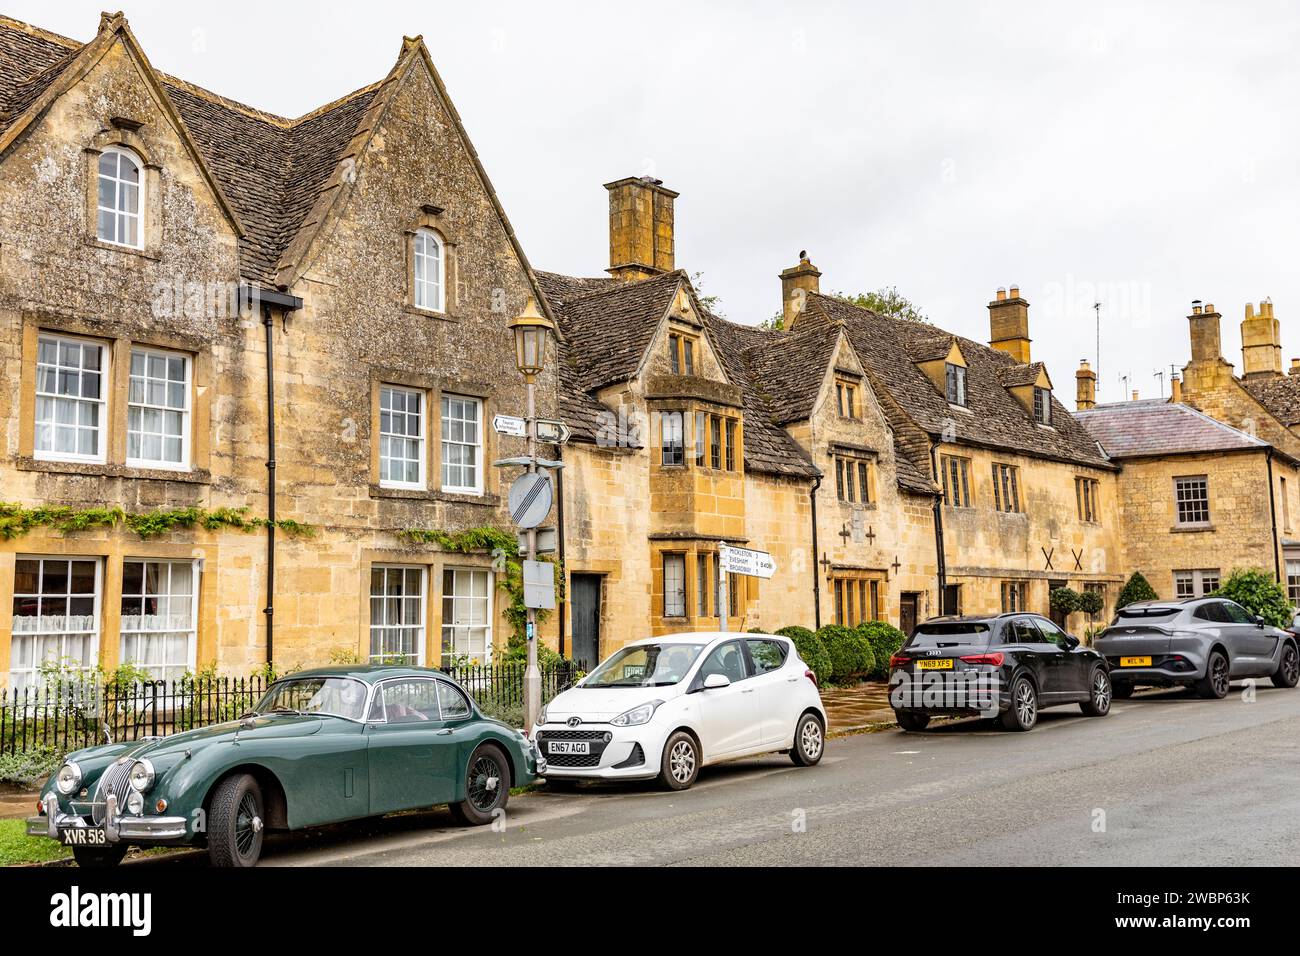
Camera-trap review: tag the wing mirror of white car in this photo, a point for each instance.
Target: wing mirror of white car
(714, 681)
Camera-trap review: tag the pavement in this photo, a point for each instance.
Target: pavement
(1166, 779)
(857, 708)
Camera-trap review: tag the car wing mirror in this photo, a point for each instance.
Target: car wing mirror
(714, 681)
(1071, 642)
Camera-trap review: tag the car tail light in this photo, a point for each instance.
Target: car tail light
(898, 660)
(995, 659)
(811, 676)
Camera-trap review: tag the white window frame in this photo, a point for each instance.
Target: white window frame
(427, 250)
(1293, 580)
(443, 421)
(421, 626)
(30, 676)
(185, 413)
(143, 633)
(421, 440)
(1196, 579)
(1184, 486)
(105, 377)
(120, 214)
(452, 629)
(679, 593)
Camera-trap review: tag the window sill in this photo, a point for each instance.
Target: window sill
(415, 494)
(1190, 528)
(410, 309)
(146, 252)
(195, 476)
(960, 408)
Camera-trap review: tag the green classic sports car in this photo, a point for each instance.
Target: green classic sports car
(325, 745)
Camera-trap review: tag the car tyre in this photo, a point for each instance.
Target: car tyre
(1121, 691)
(809, 741)
(98, 858)
(236, 822)
(1214, 685)
(487, 787)
(912, 720)
(1023, 712)
(1288, 668)
(681, 761)
(1099, 694)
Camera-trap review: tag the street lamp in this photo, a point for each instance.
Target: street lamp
(530, 328)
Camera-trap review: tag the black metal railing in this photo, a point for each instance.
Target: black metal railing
(67, 715)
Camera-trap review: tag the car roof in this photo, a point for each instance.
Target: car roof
(698, 637)
(370, 673)
(977, 618)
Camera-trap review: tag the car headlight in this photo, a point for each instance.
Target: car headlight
(135, 802)
(541, 716)
(141, 776)
(68, 779)
(637, 715)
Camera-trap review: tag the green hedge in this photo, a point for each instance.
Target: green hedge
(885, 640)
(811, 649)
(1136, 589)
(850, 653)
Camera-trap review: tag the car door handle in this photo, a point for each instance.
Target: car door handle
(749, 690)
(791, 680)
(445, 733)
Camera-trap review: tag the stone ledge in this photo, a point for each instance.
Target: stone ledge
(1192, 529)
(90, 469)
(413, 494)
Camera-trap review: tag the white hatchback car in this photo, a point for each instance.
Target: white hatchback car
(666, 706)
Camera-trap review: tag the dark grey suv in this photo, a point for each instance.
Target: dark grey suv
(1204, 643)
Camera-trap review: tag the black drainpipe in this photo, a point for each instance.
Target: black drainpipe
(269, 299)
(940, 562)
(564, 571)
(1272, 509)
(816, 569)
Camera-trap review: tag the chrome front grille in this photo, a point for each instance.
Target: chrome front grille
(116, 779)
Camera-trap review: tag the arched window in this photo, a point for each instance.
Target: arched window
(428, 271)
(119, 200)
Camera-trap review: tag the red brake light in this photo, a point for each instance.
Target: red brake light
(898, 659)
(811, 676)
(995, 659)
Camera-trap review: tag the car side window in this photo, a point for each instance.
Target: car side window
(376, 714)
(1052, 633)
(767, 656)
(1212, 611)
(727, 660)
(452, 702)
(1021, 630)
(410, 701)
(1236, 613)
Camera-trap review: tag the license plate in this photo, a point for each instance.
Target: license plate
(579, 747)
(1135, 662)
(83, 836)
(942, 664)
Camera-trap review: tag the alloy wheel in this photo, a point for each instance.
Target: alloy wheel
(1026, 705)
(484, 783)
(1219, 676)
(811, 739)
(1291, 665)
(1101, 691)
(681, 761)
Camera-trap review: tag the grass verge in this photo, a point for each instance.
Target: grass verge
(16, 847)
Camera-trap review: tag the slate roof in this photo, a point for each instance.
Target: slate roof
(271, 169)
(1157, 427)
(993, 419)
(1016, 375)
(1281, 396)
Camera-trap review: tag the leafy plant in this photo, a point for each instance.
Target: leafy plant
(17, 520)
(850, 653)
(1136, 589)
(1091, 604)
(885, 640)
(1064, 601)
(29, 768)
(1259, 594)
(811, 649)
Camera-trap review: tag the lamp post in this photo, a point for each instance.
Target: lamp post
(531, 328)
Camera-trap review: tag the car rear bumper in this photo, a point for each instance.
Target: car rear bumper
(1165, 670)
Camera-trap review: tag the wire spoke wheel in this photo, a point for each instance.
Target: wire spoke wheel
(248, 824)
(484, 783)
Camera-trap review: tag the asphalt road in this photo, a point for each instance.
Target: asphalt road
(1166, 779)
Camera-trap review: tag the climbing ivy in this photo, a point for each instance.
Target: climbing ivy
(17, 520)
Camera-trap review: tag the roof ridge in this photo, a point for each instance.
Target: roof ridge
(41, 32)
(623, 286)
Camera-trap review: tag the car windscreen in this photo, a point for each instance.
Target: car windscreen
(949, 633)
(1154, 614)
(645, 665)
(335, 696)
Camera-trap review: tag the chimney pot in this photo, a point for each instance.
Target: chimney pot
(1002, 294)
(1135, 394)
(1014, 291)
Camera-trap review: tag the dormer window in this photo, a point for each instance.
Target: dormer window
(1043, 406)
(681, 354)
(955, 376)
(429, 258)
(846, 398)
(118, 205)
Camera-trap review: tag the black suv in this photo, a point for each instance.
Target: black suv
(1008, 666)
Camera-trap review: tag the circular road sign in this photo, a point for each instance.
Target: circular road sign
(530, 500)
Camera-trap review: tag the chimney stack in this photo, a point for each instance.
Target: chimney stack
(1135, 394)
(1085, 381)
(1295, 366)
(640, 228)
(1204, 323)
(1009, 323)
(797, 283)
(1176, 388)
(1261, 343)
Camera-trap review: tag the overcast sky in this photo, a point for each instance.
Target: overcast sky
(1140, 157)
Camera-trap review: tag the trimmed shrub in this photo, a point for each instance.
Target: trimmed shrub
(811, 649)
(850, 652)
(1091, 603)
(1064, 601)
(1259, 594)
(1136, 589)
(885, 640)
